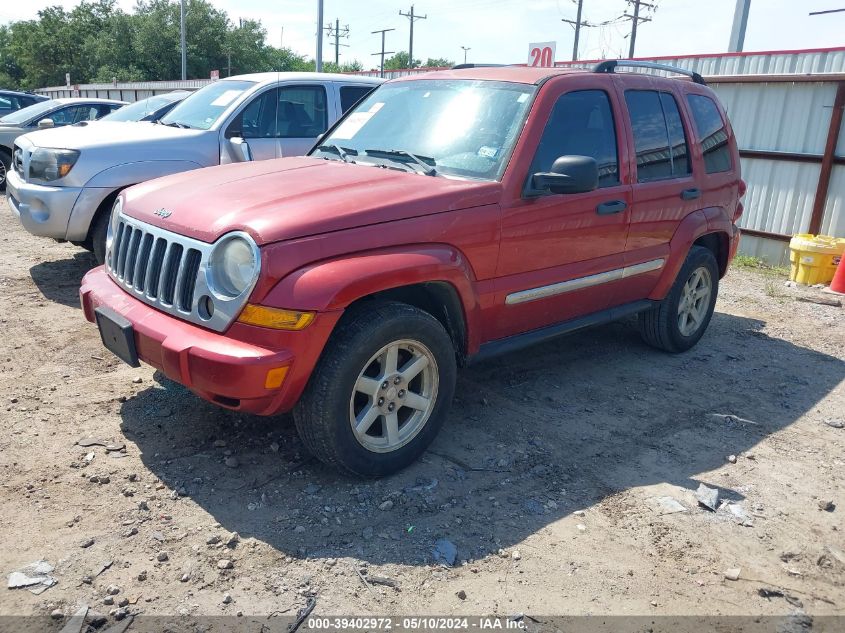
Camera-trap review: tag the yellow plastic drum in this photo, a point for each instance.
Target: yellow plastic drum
(814, 258)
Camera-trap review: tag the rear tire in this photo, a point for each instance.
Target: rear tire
(380, 392)
(680, 320)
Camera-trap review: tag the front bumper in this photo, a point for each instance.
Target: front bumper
(42, 210)
(221, 368)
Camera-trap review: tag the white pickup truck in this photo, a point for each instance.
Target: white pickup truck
(64, 181)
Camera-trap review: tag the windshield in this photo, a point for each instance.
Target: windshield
(460, 128)
(140, 109)
(25, 114)
(204, 107)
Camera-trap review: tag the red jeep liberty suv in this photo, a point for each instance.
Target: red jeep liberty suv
(448, 217)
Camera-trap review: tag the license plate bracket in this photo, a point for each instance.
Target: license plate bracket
(117, 335)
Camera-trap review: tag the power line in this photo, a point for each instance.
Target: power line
(336, 32)
(383, 52)
(413, 18)
(827, 11)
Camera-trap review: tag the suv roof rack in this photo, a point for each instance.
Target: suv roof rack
(460, 66)
(611, 65)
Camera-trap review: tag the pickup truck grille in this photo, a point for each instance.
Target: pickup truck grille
(169, 272)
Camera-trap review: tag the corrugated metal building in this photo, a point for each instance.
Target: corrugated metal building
(785, 106)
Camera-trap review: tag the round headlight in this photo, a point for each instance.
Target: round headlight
(232, 266)
(113, 220)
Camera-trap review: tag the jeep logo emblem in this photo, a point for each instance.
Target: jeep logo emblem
(162, 213)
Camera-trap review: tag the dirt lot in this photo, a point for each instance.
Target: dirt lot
(545, 478)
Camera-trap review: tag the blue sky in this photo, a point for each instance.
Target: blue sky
(499, 31)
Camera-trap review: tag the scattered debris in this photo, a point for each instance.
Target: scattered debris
(516, 555)
(386, 505)
(162, 557)
(462, 595)
(826, 505)
(86, 543)
(445, 552)
(77, 621)
(667, 505)
(580, 513)
(225, 563)
(732, 459)
(231, 461)
(769, 593)
(227, 598)
(836, 424)
(35, 577)
(739, 513)
(708, 497)
(303, 613)
(731, 419)
(833, 303)
(733, 573)
(383, 580)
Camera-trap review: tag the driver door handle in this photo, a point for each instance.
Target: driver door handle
(613, 206)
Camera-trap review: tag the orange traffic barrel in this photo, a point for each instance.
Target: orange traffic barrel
(838, 283)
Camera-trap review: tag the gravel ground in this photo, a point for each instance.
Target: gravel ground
(554, 477)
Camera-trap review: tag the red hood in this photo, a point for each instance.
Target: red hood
(295, 197)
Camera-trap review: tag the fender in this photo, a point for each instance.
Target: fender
(336, 283)
(135, 172)
(690, 229)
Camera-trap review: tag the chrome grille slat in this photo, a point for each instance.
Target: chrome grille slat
(169, 272)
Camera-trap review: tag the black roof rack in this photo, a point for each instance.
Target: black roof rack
(460, 66)
(611, 65)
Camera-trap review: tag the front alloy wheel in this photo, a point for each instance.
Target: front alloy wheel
(695, 301)
(394, 396)
(381, 390)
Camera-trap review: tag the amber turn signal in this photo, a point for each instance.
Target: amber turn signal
(275, 318)
(275, 377)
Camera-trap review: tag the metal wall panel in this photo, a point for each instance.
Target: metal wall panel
(772, 252)
(780, 195)
(782, 117)
(833, 222)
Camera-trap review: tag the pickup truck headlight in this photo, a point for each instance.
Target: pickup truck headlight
(48, 164)
(233, 266)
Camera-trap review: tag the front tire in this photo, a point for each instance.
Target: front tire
(380, 392)
(98, 236)
(5, 168)
(679, 321)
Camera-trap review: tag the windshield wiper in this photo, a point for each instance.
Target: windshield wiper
(183, 126)
(422, 161)
(343, 152)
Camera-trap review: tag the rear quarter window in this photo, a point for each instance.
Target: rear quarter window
(659, 138)
(350, 95)
(712, 133)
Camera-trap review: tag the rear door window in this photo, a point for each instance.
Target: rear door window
(581, 124)
(350, 95)
(302, 111)
(659, 138)
(711, 132)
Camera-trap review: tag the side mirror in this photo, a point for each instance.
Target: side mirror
(45, 124)
(569, 174)
(242, 151)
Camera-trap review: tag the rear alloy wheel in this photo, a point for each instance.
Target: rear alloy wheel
(381, 390)
(679, 321)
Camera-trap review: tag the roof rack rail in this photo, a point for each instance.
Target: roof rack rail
(460, 66)
(611, 65)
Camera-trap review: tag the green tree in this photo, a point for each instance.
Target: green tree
(399, 61)
(346, 67)
(438, 62)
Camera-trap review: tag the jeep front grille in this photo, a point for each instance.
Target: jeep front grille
(168, 271)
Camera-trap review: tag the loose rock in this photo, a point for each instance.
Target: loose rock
(225, 563)
(445, 552)
(462, 595)
(162, 557)
(733, 573)
(231, 462)
(708, 497)
(386, 505)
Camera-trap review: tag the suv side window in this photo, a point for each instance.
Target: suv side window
(712, 133)
(581, 124)
(659, 139)
(302, 111)
(350, 95)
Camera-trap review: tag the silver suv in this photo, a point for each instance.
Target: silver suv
(64, 181)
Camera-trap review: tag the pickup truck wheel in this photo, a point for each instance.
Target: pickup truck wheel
(98, 237)
(679, 321)
(5, 167)
(380, 392)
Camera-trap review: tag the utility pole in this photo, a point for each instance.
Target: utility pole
(577, 23)
(334, 31)
(319, 60)
(466, 48)
(383, 52)
(737, 40)
(182, 40)
(228, 64)
(635, 20)
(412, 18)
